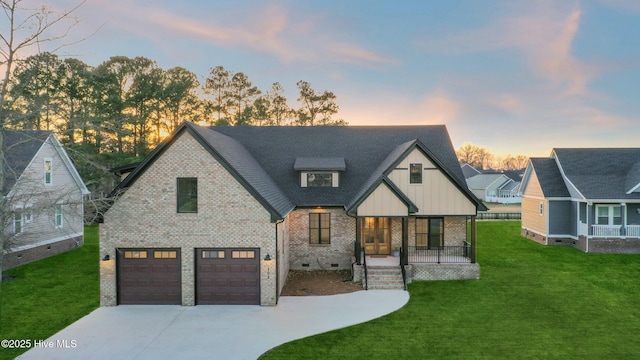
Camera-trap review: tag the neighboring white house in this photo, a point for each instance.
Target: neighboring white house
(44, 194)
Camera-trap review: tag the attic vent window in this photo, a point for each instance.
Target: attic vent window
(319, 172)
(319, 179)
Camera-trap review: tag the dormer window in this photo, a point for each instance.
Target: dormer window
(319, 179)
(319, 172)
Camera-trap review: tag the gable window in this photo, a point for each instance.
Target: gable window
(541, 209)
(319, 179)
(608, 215)
(58, 218)
(429, 233)
(320, 228)
(415, 173)
(187, 195)
(48, 171)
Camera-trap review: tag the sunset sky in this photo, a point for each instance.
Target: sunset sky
(518, 77)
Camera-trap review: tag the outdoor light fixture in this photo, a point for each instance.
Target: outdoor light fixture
(106, 257)
(267, 257)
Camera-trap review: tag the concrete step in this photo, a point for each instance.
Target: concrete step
(384, 277)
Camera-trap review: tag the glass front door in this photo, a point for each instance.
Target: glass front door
(376, 235)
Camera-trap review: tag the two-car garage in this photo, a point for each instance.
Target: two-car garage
(229, 276)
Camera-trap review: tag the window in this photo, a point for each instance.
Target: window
(165, 254)
(415, 173)
(608, 215)
(429, 233)
(187, 195)
(541, 209)
(320, 179)
(58, 218)
(237, 254)
(213, 254)
(17, 222)
(27, 216)
(48, 171)
(320, 228)
(135, 254)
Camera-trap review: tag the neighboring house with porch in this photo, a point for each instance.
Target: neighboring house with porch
(43, 194)
(588, 198)
(223, 213)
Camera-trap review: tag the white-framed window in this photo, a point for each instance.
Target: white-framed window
(58, 217)
(541, 208)
(17, 222)
(48, 171)
(608, 215)
(27, 216)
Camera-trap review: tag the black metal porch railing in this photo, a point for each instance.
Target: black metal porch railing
(440, 255)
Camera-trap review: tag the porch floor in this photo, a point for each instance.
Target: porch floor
(381, 260)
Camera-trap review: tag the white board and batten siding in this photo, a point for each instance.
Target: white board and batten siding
(383, 202)
(436, 195)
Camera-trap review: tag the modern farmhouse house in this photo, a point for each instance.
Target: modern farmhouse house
(219, 215)
(587, 198)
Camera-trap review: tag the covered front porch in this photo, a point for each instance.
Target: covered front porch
(609, 227)
(422, 248)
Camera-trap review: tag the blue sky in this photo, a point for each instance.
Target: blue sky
(518, 77)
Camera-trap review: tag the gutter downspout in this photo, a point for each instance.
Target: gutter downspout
(278, 262)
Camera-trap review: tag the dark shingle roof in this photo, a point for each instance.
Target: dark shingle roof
(19, 149)
(264, 159)
(319, 163)
(364, 149)
(549, 177)
(469, 171)
(601, 173)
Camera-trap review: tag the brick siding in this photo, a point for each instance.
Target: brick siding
(321, 256)
(146, 217)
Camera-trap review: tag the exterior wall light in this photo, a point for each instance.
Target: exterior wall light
(106, 257)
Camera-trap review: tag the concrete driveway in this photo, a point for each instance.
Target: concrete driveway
(211, 332)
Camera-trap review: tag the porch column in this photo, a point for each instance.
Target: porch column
(405, 241)
(473, 239)
(357, 247)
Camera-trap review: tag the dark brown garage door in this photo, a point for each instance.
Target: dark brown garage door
(228, 276)
(149, 276)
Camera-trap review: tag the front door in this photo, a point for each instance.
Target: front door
(376, 235)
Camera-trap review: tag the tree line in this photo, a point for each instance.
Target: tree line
(481, 158)
(116, 112)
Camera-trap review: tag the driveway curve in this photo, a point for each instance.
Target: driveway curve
(211, 332)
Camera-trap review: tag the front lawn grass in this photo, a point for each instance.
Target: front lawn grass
(48, 295)
(531, 302)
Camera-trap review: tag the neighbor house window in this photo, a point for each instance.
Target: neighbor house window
(187, 195)
(17, 222)
(58, 218)
(320, 179)
(320, 228)
(608, 215)
(415, 173)
(541, 209)
(430, 233)
(48, 171)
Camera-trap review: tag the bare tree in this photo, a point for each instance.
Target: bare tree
(27, 28)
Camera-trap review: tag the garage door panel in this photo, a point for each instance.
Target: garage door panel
(227, 276)
(146, 279)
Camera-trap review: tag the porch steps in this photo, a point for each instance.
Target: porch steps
(384, 277)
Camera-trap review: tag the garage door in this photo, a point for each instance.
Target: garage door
(149, 276)
(228, 276)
